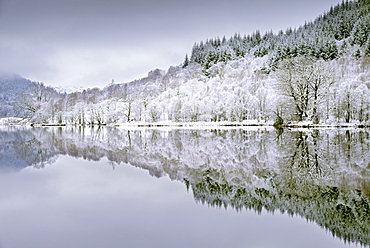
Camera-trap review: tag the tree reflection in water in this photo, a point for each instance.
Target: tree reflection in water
(321, 175)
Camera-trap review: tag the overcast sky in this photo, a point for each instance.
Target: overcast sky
(71, 43)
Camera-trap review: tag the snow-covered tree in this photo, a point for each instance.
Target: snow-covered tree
(33, 98)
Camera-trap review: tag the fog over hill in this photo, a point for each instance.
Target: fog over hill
(10, 86)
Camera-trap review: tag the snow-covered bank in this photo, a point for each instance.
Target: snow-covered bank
(19, 122)
(224, 124)
(199, 125)
(193, 124)
(323, 125)
(12, 121)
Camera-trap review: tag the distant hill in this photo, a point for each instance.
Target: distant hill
(10, 86)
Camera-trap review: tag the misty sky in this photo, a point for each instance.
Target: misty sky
(72, 43)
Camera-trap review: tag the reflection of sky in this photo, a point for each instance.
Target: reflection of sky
(77, 203)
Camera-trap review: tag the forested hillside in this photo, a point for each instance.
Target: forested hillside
(316, 73)
(342, 31)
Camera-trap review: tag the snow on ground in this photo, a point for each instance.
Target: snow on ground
(11, 121)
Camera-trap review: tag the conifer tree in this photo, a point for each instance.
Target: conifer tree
(186, 61)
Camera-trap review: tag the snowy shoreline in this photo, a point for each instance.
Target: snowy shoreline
(216, 125)
(21, 122)
(241, 124)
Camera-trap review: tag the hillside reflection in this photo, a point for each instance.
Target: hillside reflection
(321, 175)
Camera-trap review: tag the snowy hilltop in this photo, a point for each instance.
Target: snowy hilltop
(316, 74)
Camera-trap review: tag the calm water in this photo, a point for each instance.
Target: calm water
(108, 187)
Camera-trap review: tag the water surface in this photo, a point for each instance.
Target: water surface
(108, 187)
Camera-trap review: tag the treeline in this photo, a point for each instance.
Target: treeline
(343, 30)
(301, 89)
(41, 104)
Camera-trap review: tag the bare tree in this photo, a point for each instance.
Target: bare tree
(292, 76)
(303, 80)
(322, 77)
(29, 101)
